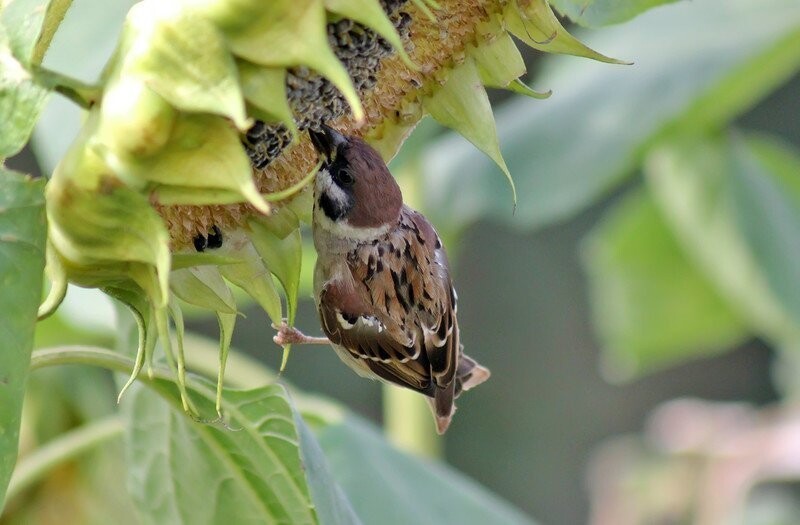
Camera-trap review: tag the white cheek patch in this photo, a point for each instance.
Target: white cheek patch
(326, 185)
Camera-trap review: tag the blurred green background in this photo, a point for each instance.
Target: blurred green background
(615, 286)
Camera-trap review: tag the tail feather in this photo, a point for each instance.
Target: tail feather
(443, 407)
(469, 375)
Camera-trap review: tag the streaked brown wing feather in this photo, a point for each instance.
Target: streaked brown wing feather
(383, 349)
(399, 311)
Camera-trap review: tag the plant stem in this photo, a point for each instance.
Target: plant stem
(408, 422)
(84, 95)
(53, 17)
(60, 450)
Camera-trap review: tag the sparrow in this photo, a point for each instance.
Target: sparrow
(382, 282)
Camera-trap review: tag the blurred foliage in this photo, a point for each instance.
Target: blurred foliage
(572, 149)
(653, 307)
(604, 12)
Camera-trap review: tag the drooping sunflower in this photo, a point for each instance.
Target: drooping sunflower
(190, 170)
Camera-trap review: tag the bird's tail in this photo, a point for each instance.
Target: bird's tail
(469, 375)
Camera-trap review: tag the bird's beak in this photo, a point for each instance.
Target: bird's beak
(327, 141)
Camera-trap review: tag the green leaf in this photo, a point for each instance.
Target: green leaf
(22, 21)
(693, 184)
(566, 153)
(381, 483)
(330, 500)
(461, 104)
(595, 13)
(282, 254)
(651, 306)
(204, 153)
(534, 22)
(203, 286)
(183, 58)
(265, 89)
(499, 61)
(180, 471)
(272, 40)
(21, 100)
(766, 201)
(22, 257)
(253, 276)
(107, 236)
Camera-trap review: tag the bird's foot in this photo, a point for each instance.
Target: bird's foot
(289, 335)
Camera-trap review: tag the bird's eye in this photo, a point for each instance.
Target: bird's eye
(345, 178)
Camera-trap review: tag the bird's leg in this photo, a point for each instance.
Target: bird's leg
(289, 335)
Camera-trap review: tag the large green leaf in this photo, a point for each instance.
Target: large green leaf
(332, 505)
(651, 306)
(22, 238)
(388, 487)
(181, 471)
(567, 151)
(604, 12)
(699, 187)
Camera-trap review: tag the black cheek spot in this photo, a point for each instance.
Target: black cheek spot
(333, 211)
(379, 266)
(380, 251)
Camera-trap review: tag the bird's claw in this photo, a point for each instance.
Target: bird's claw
(287, 335)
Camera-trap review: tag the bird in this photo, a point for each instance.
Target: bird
(382, 280)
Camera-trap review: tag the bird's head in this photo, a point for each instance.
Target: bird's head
(355, 195)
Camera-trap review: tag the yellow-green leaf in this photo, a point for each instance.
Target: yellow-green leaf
(203, 286)
(534, 22)
(282, 255)
(292, 33)
(462, 105)
(252, 276)
(500, 65)
(111, 226)
(183, 58)
(498, 61)
(204, 152)
(265, 89)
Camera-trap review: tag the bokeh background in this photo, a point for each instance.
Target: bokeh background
(573, 425)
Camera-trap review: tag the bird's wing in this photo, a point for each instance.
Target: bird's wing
(403, 316)
(382, 346)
